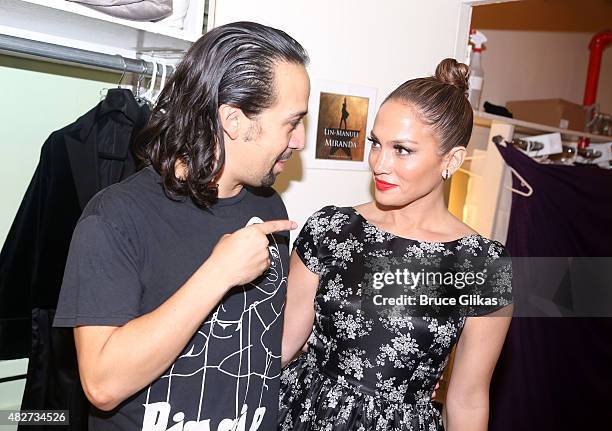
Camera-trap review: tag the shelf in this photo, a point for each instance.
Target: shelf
(71, 24)
(485, 119)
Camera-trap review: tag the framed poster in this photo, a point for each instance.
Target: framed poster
(339, 118)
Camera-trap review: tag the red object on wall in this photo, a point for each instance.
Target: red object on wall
(599, 42)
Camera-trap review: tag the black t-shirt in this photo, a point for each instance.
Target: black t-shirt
(131, 250)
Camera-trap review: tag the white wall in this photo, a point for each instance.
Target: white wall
(541, 65)
(361, 42)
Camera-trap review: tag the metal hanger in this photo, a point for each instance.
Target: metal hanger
(148, 95)
(498, 139)
(524, 183)
(121, 99)
(123, 72)
(164, 65)
(155, 86)
(104, 90)
(140, 83)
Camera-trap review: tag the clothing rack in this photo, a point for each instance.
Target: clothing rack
(31, 48)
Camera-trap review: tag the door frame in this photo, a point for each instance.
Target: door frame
(464, 22)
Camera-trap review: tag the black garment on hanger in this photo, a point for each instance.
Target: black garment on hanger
(554, 372)
(76, 162)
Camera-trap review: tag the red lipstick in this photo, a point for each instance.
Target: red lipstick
(383, 185)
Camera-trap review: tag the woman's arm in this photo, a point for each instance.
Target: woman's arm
(467, 401)
(299, 308)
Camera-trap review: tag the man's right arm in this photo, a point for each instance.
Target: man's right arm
(116, 362)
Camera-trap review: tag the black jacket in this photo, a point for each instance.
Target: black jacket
(75, 163)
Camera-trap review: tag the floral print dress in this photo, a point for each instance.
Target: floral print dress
(375, 370)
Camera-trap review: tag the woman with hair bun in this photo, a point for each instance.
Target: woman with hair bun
(378, 336)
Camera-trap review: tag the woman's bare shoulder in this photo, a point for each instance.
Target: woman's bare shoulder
(364, 209)
(461, 228)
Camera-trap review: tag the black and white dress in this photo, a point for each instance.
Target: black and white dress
(376, 370)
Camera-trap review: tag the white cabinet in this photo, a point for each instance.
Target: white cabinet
(71, 24)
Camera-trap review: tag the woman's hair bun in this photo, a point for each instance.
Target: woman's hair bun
(451, 72)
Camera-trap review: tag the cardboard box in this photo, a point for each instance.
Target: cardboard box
(551, 112)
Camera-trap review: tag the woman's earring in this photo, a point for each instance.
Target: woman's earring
(445, 175)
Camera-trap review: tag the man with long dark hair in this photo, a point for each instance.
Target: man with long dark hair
(176, 277)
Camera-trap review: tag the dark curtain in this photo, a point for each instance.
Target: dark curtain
(554, 373)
